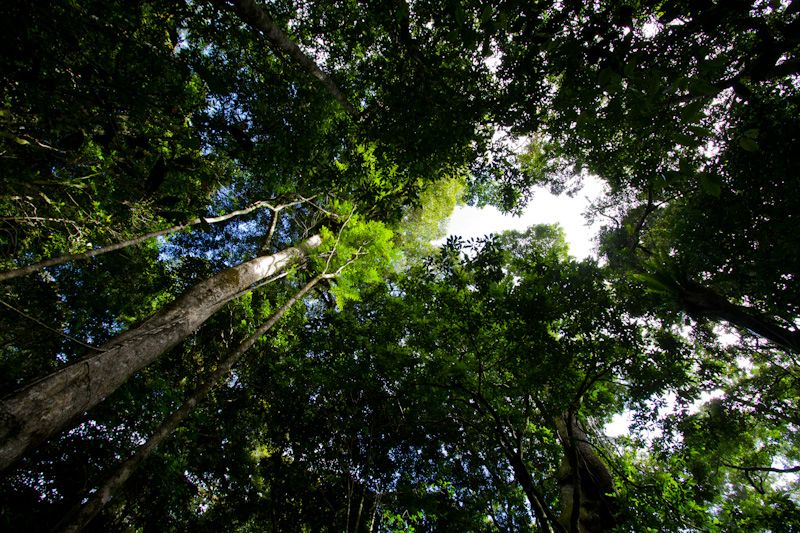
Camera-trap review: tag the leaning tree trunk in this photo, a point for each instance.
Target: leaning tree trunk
(41, 409)
(104, 493)
(702, 300)
(544, 515)
(541, 510)
(255, 17)
(588, 492)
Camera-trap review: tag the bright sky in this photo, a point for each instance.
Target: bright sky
(469, 222)
(545, 208)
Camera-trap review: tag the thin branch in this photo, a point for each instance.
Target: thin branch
(759, 488)
(319, 207)
(338, 238)
(763, 469)
(785, 69)
(10, 274)
(542, 511)
(268, 239)
(57, 332)
(37, 219)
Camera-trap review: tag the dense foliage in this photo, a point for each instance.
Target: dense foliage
(190, 186)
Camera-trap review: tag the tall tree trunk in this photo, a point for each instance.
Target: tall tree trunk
(587, 486)
(255, 17)
(41, 409)
(100, 497)
(547, 521)
(541, 510)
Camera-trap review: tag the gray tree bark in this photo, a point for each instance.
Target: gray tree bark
(41, 409)
(114, 482)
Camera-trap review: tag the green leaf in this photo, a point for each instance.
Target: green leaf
(216, 84)
(711, 183)
(14, 138)
(713, 65)
(655, 282)
(670, 177)
(192, 144)
(655, 85)
(751, 133)
(686, 140)
(608, 80)
(692, 112)
(703, 87)
(604, 77)
(178, 217)
(503, 22)
(682, 83)
(700, 131)
(486, 15)
(630, 67)
(748, 144)
(461, 17)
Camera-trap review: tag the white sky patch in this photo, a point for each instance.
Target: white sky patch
(470, 222)
(621, 423)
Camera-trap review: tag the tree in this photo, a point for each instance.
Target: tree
(121, 475)
(635, 86)
(498, 371)
(502, 379)
(670, 105)
(389, 185)
(258, 19)
(465, 394)
(427, 222)
(731, 267)
(95, 128)
(45, 407)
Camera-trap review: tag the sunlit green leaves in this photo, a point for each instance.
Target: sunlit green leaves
(358, 251)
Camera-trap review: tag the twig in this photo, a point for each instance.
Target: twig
(763, 469)
(61, 333)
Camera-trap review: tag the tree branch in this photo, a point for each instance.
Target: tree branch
(763, 469)
(705, 301)
(257, 18)
(61, 259)
(57, 332)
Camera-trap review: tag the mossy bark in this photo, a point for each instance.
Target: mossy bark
(43, 408)
(117, 479)
(585, 481)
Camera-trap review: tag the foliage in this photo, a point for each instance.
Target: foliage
(461, 388)
(426, 222)
(367, 244)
